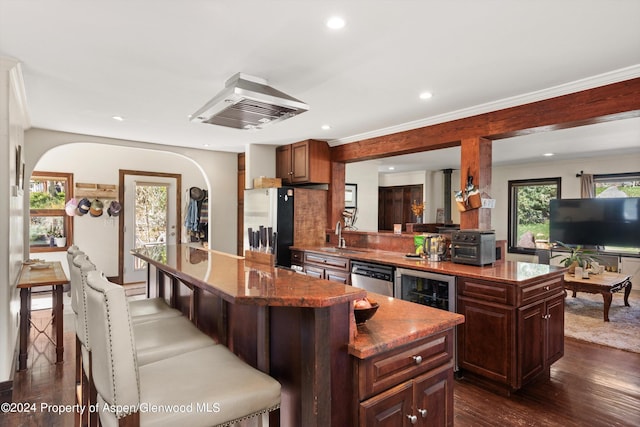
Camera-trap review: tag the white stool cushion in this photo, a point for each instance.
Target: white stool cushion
(201, 382)
(167, 337)
(144, 310)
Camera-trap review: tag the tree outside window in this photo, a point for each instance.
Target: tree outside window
(617, 185)
(48, 195)
(529, 201)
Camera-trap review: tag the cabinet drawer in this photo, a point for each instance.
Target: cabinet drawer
(337, 263)
(337, 276)
(540, 290)
(386, 370)
(500, 293)
(312, 271)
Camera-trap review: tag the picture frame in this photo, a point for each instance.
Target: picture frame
(351, 195)
(18, 164)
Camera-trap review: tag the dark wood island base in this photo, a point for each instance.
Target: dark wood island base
(302, 332)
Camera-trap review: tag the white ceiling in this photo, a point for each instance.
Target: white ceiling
(156, 62)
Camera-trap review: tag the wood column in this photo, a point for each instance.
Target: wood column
(476, 162)
(335, 204)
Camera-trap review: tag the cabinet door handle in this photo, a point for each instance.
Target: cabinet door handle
(412, 419)
(546, 288)
(546, 316)
(423, 412)
(417, 359)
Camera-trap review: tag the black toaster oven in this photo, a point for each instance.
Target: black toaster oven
(474, 247)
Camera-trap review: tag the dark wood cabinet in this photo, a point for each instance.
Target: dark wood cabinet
(394, 205)
(304, 162)
(511, 334)
(336, 269)
(297, 258)
(390, 408)
(411, 385)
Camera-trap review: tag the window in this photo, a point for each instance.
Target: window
(529, 213)
(617, 185)
(50, 228)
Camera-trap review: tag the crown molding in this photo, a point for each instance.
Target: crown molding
(616, 76)
(16, 82)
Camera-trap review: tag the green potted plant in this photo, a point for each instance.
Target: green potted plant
(576, 257)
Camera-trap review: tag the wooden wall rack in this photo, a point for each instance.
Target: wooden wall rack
(96, 191)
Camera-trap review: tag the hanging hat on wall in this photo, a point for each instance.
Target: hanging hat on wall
(96, 208)
(83, 206)
(196, 194)
(71, 206)
(114, 208)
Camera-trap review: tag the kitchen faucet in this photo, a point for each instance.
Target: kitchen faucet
(341, 242)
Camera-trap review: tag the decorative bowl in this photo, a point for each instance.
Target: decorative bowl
(364, 314)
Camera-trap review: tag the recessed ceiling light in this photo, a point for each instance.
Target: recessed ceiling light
(548, 154)
(335, 23)
(118, 118)
(205, 145)
(426, 95)
(326, 127)
(391, 168)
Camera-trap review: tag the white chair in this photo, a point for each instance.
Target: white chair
(204, 387)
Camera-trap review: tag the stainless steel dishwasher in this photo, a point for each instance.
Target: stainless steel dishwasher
(372, 277)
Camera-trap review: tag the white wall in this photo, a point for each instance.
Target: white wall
(260, 160)
(98, 237)
(365, 175)
(12, 124)
(98, 160)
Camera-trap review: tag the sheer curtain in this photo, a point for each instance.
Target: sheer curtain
(587, 189)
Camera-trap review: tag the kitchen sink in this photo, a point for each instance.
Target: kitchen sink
(340, 250)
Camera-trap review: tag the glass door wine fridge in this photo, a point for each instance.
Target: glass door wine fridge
(432, 289)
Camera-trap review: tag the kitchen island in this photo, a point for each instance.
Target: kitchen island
(302, 332)
(514, 312)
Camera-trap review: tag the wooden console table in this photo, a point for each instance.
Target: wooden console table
(51, 275)
(606, 284)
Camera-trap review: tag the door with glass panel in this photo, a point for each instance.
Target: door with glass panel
(151, 221)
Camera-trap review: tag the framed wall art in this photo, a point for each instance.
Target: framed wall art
(351, 195)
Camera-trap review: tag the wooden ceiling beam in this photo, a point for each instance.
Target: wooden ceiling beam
(605, 103)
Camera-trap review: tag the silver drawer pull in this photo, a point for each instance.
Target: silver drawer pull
(417, 359)
(412, 419)
(546, 288)
(423, 412)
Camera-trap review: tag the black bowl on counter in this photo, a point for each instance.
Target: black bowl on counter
(364, 314)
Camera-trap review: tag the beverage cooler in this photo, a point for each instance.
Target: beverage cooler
(421, 287)
(431, 289)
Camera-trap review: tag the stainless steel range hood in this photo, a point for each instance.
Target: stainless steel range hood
(248, 102)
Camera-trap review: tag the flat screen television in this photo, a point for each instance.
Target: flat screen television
(596, 222)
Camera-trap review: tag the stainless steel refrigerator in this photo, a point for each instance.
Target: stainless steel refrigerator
(270, 209)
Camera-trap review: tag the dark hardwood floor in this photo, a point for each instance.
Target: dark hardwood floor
(590, 386)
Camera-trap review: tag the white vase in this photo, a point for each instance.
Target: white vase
(61, 242)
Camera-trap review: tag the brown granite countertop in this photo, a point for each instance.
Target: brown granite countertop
(517, 273)
(399, 322)
(240, 282)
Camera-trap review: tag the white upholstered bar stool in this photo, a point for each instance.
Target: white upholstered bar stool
(157, 339)
(205, 387)
(81, 379)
